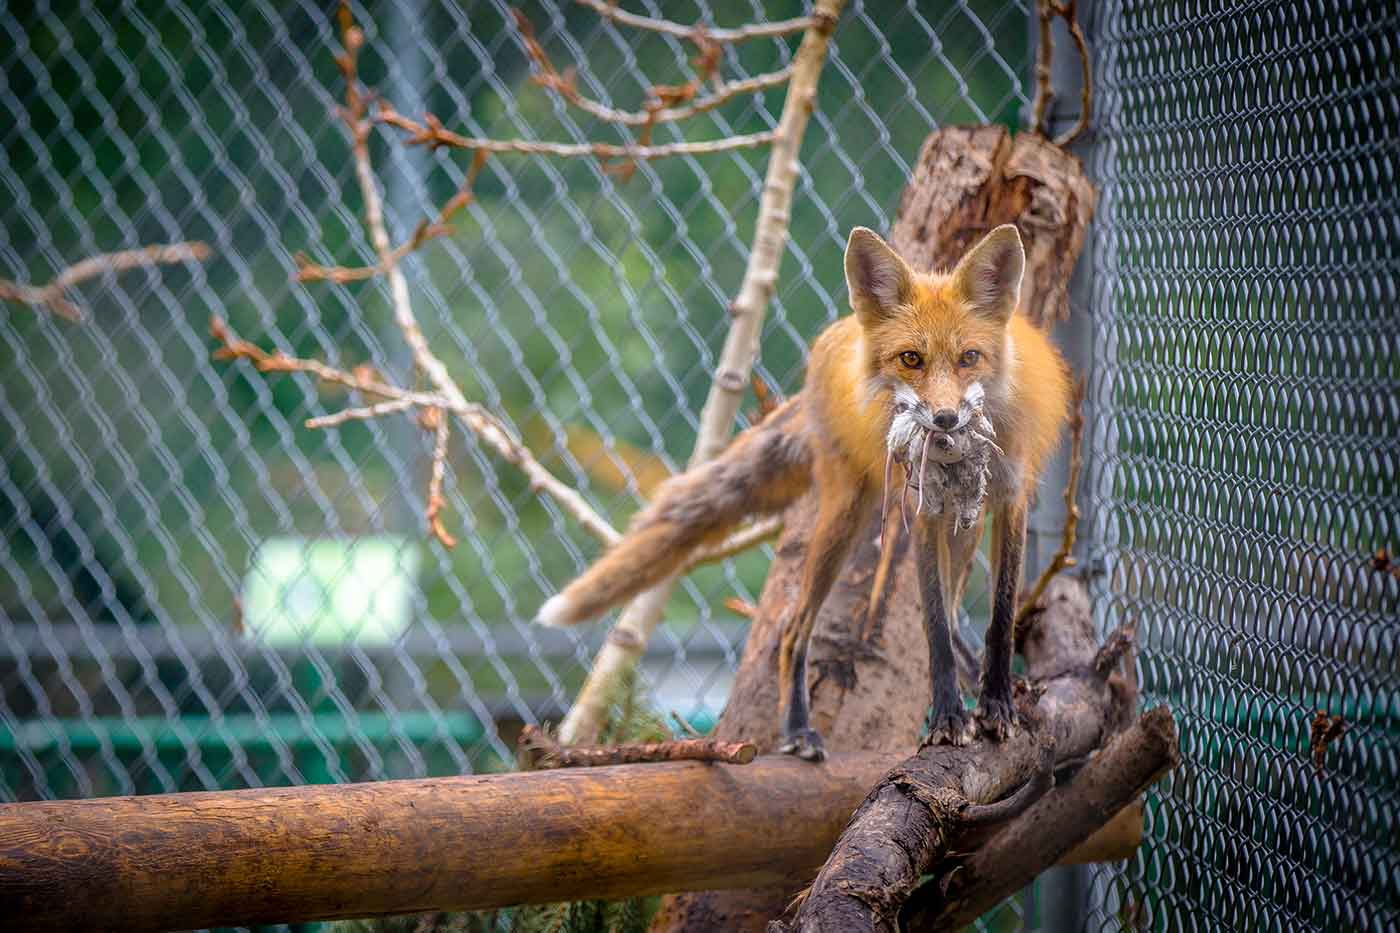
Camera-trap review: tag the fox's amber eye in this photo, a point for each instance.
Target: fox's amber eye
(911, 359)
(969, 358)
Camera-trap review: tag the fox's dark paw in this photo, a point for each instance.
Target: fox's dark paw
(949, 725)
(805, 744)
(996, 717)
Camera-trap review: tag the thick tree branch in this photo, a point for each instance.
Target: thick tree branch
(940, 801)
(1050, 829)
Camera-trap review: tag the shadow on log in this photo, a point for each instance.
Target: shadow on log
(869, 656)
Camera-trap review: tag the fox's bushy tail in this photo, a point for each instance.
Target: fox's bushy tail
(762, 471)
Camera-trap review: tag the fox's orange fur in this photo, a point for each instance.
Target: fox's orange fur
(924, 338)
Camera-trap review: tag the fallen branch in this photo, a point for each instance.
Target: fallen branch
(539, 751)
(1063, 558)
(51, 296)
(628, 638)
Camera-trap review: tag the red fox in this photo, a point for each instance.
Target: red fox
(923, 356)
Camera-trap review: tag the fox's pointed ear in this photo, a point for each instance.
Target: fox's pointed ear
(878, 280)
(989, 277)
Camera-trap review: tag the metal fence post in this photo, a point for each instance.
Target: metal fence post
(1062, 891)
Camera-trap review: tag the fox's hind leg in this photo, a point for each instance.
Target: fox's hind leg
(995, 711)
(943, 560)
(842, 505)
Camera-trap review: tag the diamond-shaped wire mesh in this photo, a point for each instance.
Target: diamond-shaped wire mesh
(1246, 410)
(163, 517)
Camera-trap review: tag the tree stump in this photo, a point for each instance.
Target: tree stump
(869, 659)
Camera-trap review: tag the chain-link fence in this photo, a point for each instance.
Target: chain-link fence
(1246, 390)
(195, 591)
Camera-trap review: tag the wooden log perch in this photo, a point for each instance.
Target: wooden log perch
(943, 800)
(180, 861)
(869, 654)
(232, 858)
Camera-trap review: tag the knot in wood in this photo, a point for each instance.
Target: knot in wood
(730, 380)
(625, 639)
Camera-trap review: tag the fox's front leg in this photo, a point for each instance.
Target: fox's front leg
(842, 506)
(943, 560)
(996, 711)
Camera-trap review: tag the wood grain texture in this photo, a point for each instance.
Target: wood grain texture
(869, 679)
(181, 861)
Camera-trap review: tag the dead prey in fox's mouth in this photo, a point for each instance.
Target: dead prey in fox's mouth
(947, 468)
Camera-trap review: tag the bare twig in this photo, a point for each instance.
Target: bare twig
(1382, 562)
(768, 400)
(1063, 557)
(1044, 51)
(308, 271)
(362, 379)
(655, 111)
(1325, 730)
(750, 535)
(365, 413)
(436, 501)
(686, 727)
(540, 752)
(482, 423)
(446, 395)
(608, 9)
(629, 637)
(51, 296)
(432, 133)
(1067, 12)
(1046, 11)
(742, 607)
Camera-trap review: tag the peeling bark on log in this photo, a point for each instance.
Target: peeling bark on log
(870, 665)
(939, 802)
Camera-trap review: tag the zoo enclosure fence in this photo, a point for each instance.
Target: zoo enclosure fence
(1240, 345)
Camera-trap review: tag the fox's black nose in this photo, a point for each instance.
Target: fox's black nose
(947, 419)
